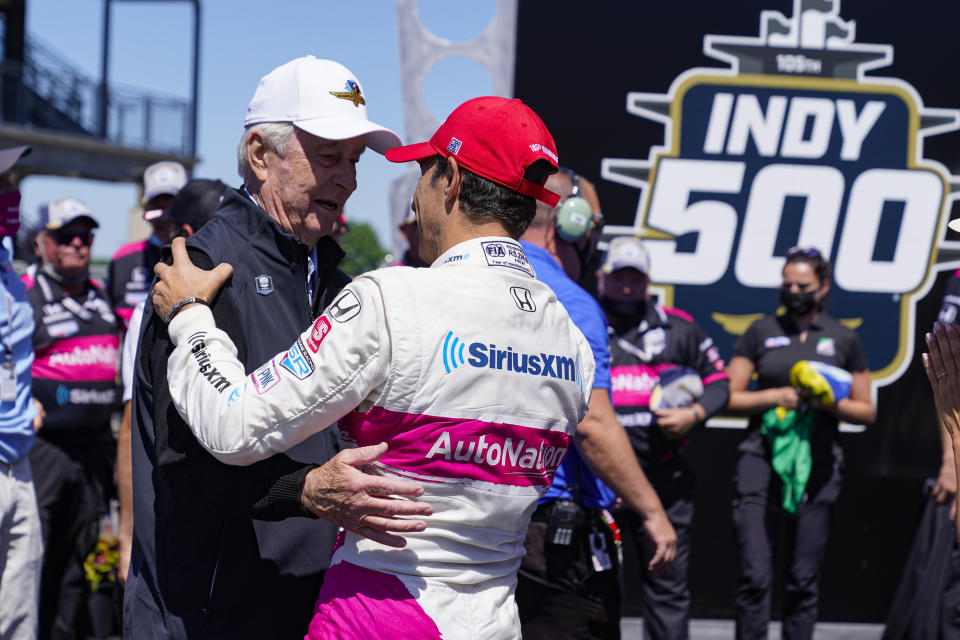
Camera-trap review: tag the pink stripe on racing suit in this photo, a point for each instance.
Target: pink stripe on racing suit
(473, 374)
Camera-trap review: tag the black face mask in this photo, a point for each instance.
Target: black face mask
(799, 303)
(623, 311)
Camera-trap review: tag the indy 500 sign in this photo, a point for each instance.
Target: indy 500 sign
(793, 145)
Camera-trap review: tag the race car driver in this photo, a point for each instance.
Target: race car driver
(470, 373)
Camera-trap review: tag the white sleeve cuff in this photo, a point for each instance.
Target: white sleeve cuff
(196, 317)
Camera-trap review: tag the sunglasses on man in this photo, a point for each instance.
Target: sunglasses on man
(66, 236)
(800, 251)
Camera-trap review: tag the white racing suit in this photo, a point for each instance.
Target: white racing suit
(474, 375)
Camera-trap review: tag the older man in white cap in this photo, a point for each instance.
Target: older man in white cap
(131, 269)
(76, 344)
(21, 549)
(206, 561)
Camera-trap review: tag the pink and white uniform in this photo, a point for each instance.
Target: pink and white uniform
(474, 375)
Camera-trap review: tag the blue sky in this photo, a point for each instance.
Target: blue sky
(241, 41)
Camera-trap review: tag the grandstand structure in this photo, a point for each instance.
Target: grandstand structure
(81, 126)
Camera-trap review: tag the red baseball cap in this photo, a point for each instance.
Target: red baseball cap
(495, 138)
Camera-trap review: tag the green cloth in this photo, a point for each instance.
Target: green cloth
(788, 433)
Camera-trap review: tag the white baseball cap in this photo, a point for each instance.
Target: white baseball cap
(163, 179)
(321, 97)
(626, 251)
(9, 157)
(62, 212)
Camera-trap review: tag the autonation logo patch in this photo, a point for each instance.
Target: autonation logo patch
(490, 356)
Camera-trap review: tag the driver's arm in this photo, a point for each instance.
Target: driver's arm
(329, 371)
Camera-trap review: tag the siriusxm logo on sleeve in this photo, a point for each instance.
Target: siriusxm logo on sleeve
(490, 356)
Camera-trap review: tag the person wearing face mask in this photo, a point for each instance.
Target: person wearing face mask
(21, 546)
(770, 348)
(74, 378)
(667, 379)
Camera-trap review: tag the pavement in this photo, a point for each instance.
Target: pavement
(632, 629)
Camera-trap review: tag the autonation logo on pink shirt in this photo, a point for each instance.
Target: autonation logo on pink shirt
(510, 454)
(457, 448)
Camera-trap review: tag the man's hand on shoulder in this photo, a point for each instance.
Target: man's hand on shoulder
(182, 280)
(368, 505)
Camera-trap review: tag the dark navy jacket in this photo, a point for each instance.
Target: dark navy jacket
(208, 560)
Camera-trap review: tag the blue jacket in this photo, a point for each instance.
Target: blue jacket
(574, 476)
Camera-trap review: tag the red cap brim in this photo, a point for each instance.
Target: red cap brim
(410, 152)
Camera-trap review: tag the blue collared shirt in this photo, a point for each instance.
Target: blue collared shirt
(16, 332)
(588, 316)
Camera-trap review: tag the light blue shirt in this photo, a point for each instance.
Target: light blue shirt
(16, 333)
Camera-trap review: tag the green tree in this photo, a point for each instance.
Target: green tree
(363, 249)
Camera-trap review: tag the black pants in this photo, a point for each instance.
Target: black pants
(559, 594)
(666, 597)
(755, 515)
(67, 518)
(950, 604)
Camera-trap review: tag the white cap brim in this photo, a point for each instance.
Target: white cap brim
(338, 127)
(9, 157)
(954, 224)
(164, 191)
(613, 265)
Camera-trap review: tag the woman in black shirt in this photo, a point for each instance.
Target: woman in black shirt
(769, 348)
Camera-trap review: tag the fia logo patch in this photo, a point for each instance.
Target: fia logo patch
(264, 284)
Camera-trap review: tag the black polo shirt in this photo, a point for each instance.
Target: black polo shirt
(773, 345)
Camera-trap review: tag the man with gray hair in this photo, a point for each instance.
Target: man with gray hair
(207, 561)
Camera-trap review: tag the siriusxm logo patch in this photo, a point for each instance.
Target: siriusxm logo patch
(457, 257)
(66, 396)
(489, 356)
